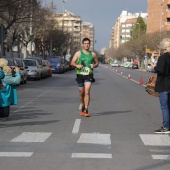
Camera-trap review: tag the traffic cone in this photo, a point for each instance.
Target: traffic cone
(121, 73)
(129, 77)
(116, 71)
(141, 81)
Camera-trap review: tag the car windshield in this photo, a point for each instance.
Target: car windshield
(19, 62)
(54, 60)
(38, 59)
(10, 62)
(30, 62)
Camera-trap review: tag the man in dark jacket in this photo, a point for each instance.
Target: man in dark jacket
(162, 85)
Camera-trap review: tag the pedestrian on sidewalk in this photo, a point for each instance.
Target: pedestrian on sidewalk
(85, 61)
(162, 85)
(9, 93)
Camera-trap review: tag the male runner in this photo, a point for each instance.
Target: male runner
(85, 60)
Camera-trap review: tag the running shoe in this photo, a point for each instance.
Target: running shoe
(86, 113)
(82, 111)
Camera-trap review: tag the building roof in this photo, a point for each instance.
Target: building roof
(129, 21)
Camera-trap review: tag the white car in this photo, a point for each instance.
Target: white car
(34, 69)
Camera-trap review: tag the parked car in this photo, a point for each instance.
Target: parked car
(23, 70)
(134, 66)
(45, 69)
(40, 62)
(56, 64)
(149, 68)
(49, 68)
(66, 66)
(34, 69)
(11, 61)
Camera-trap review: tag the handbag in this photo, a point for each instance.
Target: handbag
(150, 86)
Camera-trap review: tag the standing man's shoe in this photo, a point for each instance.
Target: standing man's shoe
(163, 130)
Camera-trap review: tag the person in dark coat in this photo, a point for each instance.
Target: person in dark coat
(162, 85)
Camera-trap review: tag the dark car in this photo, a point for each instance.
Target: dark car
(134, 66)
(56, 64)
(23, 70)
(11, 61)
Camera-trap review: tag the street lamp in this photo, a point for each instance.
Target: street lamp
(64, 1)
(160, 4)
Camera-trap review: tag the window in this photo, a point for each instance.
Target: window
(168, 7)
(168, 20)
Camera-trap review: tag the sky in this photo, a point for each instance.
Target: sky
(101, 13)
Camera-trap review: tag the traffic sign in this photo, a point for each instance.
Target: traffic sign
(148, 50)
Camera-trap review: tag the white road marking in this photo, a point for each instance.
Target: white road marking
(76, 126)
(91, 155)
(31, 137)
(125, 76)
(16, 154)
(95, 138)
(161, 157)
(159, 150)
(155, 140)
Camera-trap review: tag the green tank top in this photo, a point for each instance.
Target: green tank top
(85, 60)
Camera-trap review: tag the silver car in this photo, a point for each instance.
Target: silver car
(34, 69)
(23, 70)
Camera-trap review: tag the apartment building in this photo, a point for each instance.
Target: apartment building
(158, 16)
(122, 28)
(70, 23)
(88, 32)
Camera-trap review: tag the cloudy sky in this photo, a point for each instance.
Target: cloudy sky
(101, 13)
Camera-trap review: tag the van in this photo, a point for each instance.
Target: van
(57, 64)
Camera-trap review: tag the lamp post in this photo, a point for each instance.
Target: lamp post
(30, 43)
(160, 25)
(62, 48)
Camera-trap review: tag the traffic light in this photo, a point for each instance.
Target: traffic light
(148, 56)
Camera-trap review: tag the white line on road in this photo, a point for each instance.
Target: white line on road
(16, 154)
(95, 138)
(31, 137)
(76, 126)
(155, 140)
(91, 155)
(161, 157)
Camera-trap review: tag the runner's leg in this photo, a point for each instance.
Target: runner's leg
(87, 87)
(81, 92)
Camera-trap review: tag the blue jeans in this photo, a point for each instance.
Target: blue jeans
(164, 99)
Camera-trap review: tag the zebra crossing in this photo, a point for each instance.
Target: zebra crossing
(95, 139)
(157, 144)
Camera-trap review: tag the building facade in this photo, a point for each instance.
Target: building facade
(159, 14)
(88, 32)
(122, 28)
(72, 24)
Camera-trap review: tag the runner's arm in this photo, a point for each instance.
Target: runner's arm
(74, 59)
(96, 62)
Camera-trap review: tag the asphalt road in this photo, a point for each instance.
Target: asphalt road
(46, 132)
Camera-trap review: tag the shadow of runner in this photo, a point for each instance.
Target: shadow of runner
(111, 112)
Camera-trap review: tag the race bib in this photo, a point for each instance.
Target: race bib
(85, 71)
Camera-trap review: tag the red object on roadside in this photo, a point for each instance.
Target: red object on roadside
(141, 81)
(129, 77)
